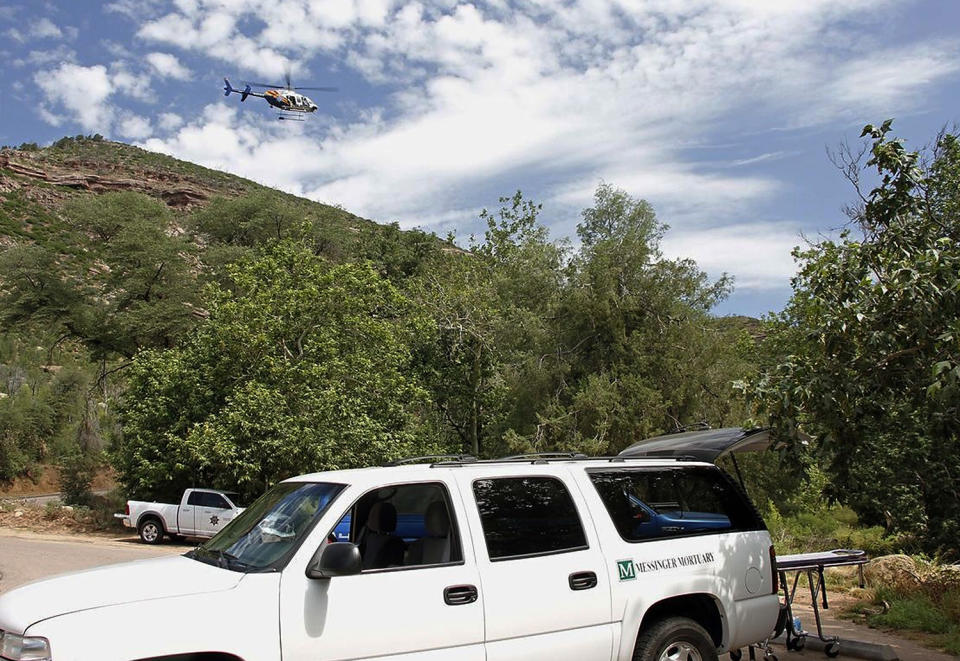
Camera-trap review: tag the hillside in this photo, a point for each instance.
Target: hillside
(36, 182)
(106, 250)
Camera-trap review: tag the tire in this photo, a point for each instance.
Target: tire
(675, 639)
(150, 530)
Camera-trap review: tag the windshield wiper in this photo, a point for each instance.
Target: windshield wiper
(226, 560)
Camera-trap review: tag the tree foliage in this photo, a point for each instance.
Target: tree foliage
(866, 355)
(303, 365)
(545, 348)
(133, 288)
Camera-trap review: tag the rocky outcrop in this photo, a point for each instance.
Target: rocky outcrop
(176, 193)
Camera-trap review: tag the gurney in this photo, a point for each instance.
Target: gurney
(813, 565)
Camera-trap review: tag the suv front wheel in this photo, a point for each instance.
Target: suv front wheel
(675, 639)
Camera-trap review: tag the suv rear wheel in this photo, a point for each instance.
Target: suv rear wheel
(675, 639)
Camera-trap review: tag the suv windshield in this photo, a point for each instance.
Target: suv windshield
(265, 534)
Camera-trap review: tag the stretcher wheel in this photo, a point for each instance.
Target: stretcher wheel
(797, 643)
(736, 655)
(832, 649)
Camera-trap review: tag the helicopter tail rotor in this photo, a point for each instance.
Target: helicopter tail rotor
(228, 89)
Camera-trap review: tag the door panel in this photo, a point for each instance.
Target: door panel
(212, 520)
(392, 614)
(553, 604)
(185, 519)
(423, 603)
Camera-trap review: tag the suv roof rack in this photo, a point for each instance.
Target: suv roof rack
(434, 459)
(453, 460)
(544, 456)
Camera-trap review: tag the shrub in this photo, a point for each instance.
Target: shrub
(76, 474)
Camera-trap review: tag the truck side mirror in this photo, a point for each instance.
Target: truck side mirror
(336, 559)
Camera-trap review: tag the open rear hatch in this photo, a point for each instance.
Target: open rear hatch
(704, 445)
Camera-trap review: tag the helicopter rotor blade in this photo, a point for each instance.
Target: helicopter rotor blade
(319, 89)
(267, 85)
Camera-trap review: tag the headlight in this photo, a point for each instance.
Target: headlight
(24, 648)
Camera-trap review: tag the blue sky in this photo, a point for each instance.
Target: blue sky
(719, 112)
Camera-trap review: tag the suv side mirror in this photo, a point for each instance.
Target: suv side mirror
(336, 559)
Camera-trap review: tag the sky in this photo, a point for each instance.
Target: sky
(720, 113)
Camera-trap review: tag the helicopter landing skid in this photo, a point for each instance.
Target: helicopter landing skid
(291, 118)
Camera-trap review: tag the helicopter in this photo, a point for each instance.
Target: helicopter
(285, 98)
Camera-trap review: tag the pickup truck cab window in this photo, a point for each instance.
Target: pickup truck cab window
(527, 516)
(264, 536)
(657, 503)
(403, 526)
(208, 499)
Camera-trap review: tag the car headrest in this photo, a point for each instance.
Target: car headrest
(382, 518)
(437, 520)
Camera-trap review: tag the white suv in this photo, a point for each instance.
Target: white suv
(556, 558)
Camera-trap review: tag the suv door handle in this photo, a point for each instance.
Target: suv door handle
(582, 580)
(458, 595)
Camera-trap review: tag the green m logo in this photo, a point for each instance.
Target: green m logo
(626, 569)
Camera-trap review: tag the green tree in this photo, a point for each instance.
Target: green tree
(134, 287)
(491, 308)
(302, 366)
(866, 355)
(640, 352)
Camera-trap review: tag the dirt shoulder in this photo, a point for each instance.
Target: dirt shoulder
(57, 519)
(45, 480)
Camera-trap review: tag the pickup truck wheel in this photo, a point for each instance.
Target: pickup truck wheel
(675, 639)
(151, 531)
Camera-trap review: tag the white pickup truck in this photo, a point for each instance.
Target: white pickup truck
(558, 557)
(201, 513)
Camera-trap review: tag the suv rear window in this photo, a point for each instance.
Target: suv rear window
(656, 503)
(527, 516)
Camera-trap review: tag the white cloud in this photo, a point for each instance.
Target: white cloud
(45, 29)
(762, 158)
(168, 66)
(82, 91)
(757, 255)
(41, 57)
(135, 127)
(87, 93)
(169, 121)
(136, 85)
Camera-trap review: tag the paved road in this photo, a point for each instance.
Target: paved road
(26, 557)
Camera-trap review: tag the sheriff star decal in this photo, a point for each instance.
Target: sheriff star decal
(214, 519)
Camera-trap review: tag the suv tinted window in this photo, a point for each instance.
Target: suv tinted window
(525, 516)
(653, 503)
